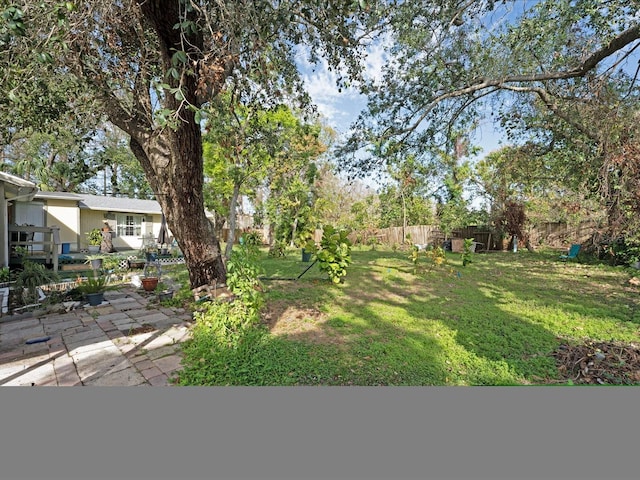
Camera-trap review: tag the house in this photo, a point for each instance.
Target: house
(131, 220)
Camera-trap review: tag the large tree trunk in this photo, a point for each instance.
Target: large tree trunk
(172, 157)
(178, 187)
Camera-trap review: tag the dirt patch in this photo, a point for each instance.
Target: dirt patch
(144, 328)
(603, 363)
(306, 324)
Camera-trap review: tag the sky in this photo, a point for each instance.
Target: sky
(340, 108)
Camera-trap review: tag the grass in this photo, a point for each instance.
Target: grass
(494, 322)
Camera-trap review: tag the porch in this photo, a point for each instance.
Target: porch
(26, 241)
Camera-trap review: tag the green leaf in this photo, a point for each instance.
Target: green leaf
(179, 56)
(177, 93)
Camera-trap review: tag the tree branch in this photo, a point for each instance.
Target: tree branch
(553, 106)
(622, 40)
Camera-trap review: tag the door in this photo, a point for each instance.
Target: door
(31, 213)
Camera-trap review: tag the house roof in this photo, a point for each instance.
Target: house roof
(122, 204)
(104, 203)
(16, 187)
(58, 196)
(118, 204)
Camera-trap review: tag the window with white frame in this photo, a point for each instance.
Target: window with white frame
(129, 225)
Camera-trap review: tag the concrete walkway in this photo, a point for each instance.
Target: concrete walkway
(129, 340)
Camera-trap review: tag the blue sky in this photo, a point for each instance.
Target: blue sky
(341, 108)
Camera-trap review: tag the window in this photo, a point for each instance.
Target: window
(129, 225)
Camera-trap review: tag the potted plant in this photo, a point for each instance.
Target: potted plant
(150, 252)
(93, 289)
(94, 238)
(163, 292)
(305, 239)
(32, 276)
(150, 283)
(95, 261)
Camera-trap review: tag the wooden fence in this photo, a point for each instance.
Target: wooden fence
(551, 234)
(557, 234)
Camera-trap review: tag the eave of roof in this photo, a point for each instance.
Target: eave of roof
(58, 196)
(18, 188)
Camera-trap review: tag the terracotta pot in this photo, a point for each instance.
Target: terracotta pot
(150, 283)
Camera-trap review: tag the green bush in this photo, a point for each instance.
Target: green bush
(112, 262)
(31, 277)
(435, 256)
(251, 238)
(278, 249)
(5, 274)
(334, 253)
(243, 271)
(466, 251)
(626, 253)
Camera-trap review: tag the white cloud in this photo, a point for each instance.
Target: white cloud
(377, 59)
(339, 106)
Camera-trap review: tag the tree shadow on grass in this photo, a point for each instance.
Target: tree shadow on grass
(438, 330)
(372, 350)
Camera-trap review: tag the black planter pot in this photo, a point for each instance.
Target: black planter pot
(306, 256)
(95, 299)
(165, 295)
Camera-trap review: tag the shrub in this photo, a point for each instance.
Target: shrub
(466, 251)
(31, 277)
(278, 249)
(227, 334)
(251, 238)
(243, 271)
(5, 274)
(334, 253)
(435, 256)
(626, 253)
(113, 262)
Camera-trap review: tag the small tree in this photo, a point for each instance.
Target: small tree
(513, 220)
(334, 254)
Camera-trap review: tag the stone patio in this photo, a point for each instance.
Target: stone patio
(129, 340)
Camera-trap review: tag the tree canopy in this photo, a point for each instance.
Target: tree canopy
(560, 74)
(151, 65)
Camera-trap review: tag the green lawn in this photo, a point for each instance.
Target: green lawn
(493, 322)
